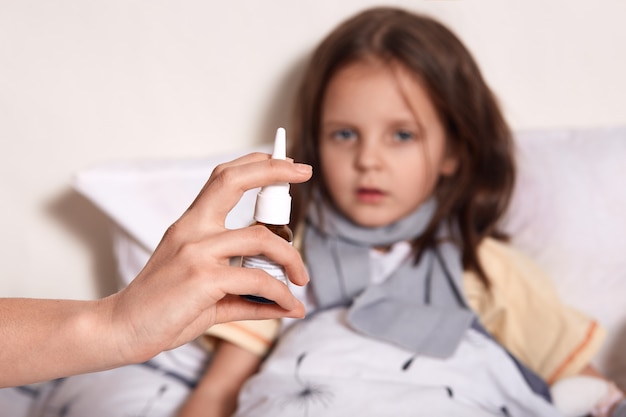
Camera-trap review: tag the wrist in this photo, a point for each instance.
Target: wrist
(116, 333)
(93, 329)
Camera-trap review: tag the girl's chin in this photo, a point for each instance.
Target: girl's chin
(371, 220)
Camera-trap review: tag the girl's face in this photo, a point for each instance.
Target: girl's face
(382, 146)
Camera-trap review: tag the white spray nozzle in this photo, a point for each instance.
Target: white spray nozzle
(273, 203)
(280, 144)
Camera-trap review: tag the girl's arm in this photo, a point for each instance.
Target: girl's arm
(216, 394)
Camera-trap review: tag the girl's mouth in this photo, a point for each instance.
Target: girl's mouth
(370, 195)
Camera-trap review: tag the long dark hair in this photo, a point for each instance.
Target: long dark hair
(476, 196)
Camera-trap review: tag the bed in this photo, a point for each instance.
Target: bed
(568, 213)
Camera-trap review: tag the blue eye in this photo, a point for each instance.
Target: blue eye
(404, 135)
(344, 134)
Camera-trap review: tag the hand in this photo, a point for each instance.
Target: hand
(188, 283)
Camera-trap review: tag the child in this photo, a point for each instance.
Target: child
(416, 303)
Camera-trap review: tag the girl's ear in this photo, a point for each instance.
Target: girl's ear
(449, 165)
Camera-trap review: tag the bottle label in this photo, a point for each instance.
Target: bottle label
(266, 264)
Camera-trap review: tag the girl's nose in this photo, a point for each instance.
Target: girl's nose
(368, 155)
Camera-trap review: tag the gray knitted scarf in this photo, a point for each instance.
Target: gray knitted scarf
(419, 307)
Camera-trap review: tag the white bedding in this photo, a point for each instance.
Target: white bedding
(321, 367)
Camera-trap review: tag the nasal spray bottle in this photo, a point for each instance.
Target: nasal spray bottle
(272, 210)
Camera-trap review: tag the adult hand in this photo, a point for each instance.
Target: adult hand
(188, 284)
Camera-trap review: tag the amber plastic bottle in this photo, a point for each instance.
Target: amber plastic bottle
(272, 210)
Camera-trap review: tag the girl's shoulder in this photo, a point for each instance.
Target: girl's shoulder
(504, 264)
(522, 309)
(511, 274)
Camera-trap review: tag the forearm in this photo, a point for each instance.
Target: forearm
(46, 339)
(217, 392)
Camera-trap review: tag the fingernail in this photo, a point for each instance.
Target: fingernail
(304, 168)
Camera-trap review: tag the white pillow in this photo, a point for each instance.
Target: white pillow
(568, 213)
(146, 197)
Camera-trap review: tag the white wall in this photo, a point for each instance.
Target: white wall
(89, 81)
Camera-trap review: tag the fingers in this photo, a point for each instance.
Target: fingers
(234, 308)
(258, 240)
(206, 245)
(230, 180)
(245, 281)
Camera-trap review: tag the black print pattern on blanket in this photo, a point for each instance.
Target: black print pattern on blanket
(150, 404)
(309, 393)
(321, 367)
